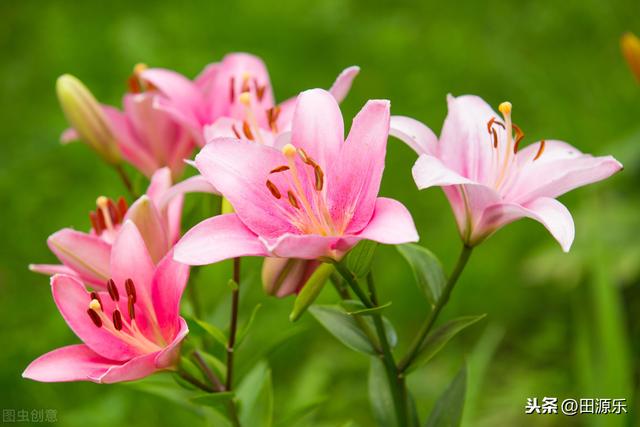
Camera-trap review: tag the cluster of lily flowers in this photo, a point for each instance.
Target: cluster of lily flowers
(301, 194)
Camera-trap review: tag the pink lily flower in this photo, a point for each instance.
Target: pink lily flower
(147, 137)
(314, 199)
(157, 214)
(488, 180)
(129, 331)
(233, 98)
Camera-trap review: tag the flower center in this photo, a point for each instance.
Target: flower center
(505, 157)
(251, 129)
(108, 215)
(135, 81)
(122, 327)
(310, 212)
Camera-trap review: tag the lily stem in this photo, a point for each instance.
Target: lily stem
(426, 327)
(396, 381)
(206, 370)
(126, 181)
(235, 299)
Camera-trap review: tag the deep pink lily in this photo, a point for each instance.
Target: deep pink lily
(157, 214)
(488, 180)
(232, 98)
(313, 199)
(147, 137)
(130, 331)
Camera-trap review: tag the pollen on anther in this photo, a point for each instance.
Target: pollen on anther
(131, 307)
(292, 200)
(279, 169)
(273, 189)
(540, 150)
(319, 175)
(131, 289)
(247, 130)
(113, 290)
(117, 319)
(122, 206)
(95, 318)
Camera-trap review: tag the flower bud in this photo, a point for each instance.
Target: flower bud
(630, 45)
(87, 117)
(284, 276)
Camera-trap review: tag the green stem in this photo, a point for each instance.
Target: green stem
(235, 299)
(126, 181)
(426, 327)
(396, 383)
(195, 382)
(206, 370)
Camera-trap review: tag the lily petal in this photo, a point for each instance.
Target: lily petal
(317, 126)
(358, 171)
(169, 281)
(306, 246)
(415, 134)
(429, 171)
(216, 239)
(51, 269)
(560, 168)
(340, 88)
(391, 224)
(71, 363)
(86, 254)
(72, 300)
(239, 170)
(145, 216)
(169, 355)
(548, 211)
(134, 369)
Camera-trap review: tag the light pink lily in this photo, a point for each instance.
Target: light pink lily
(232, 98)
(131, 331)
(157, 214)
(488, 180)
(313, 199)
(147, 137)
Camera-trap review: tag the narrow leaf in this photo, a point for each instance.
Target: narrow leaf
(200, 327)
(214, 400)
(343, 327)
(380, 396)
(427, 270)
(368, 311)
(255, 394)
(243, 332)
(448, 409)
(440, 337)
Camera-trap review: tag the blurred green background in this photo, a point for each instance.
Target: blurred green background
(558, 325)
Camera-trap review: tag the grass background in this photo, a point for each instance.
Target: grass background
(558, 325)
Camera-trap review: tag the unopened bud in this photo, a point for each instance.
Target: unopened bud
(86, 116)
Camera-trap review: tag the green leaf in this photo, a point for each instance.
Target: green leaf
(358, 260)
(366, 311)
(311, 290)
(255, 394)
(342, 326)
(380, 396)
(214, 400)
(242, 334)
(427, 270)
(448, 409)
(440, 337)
(200, 327)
